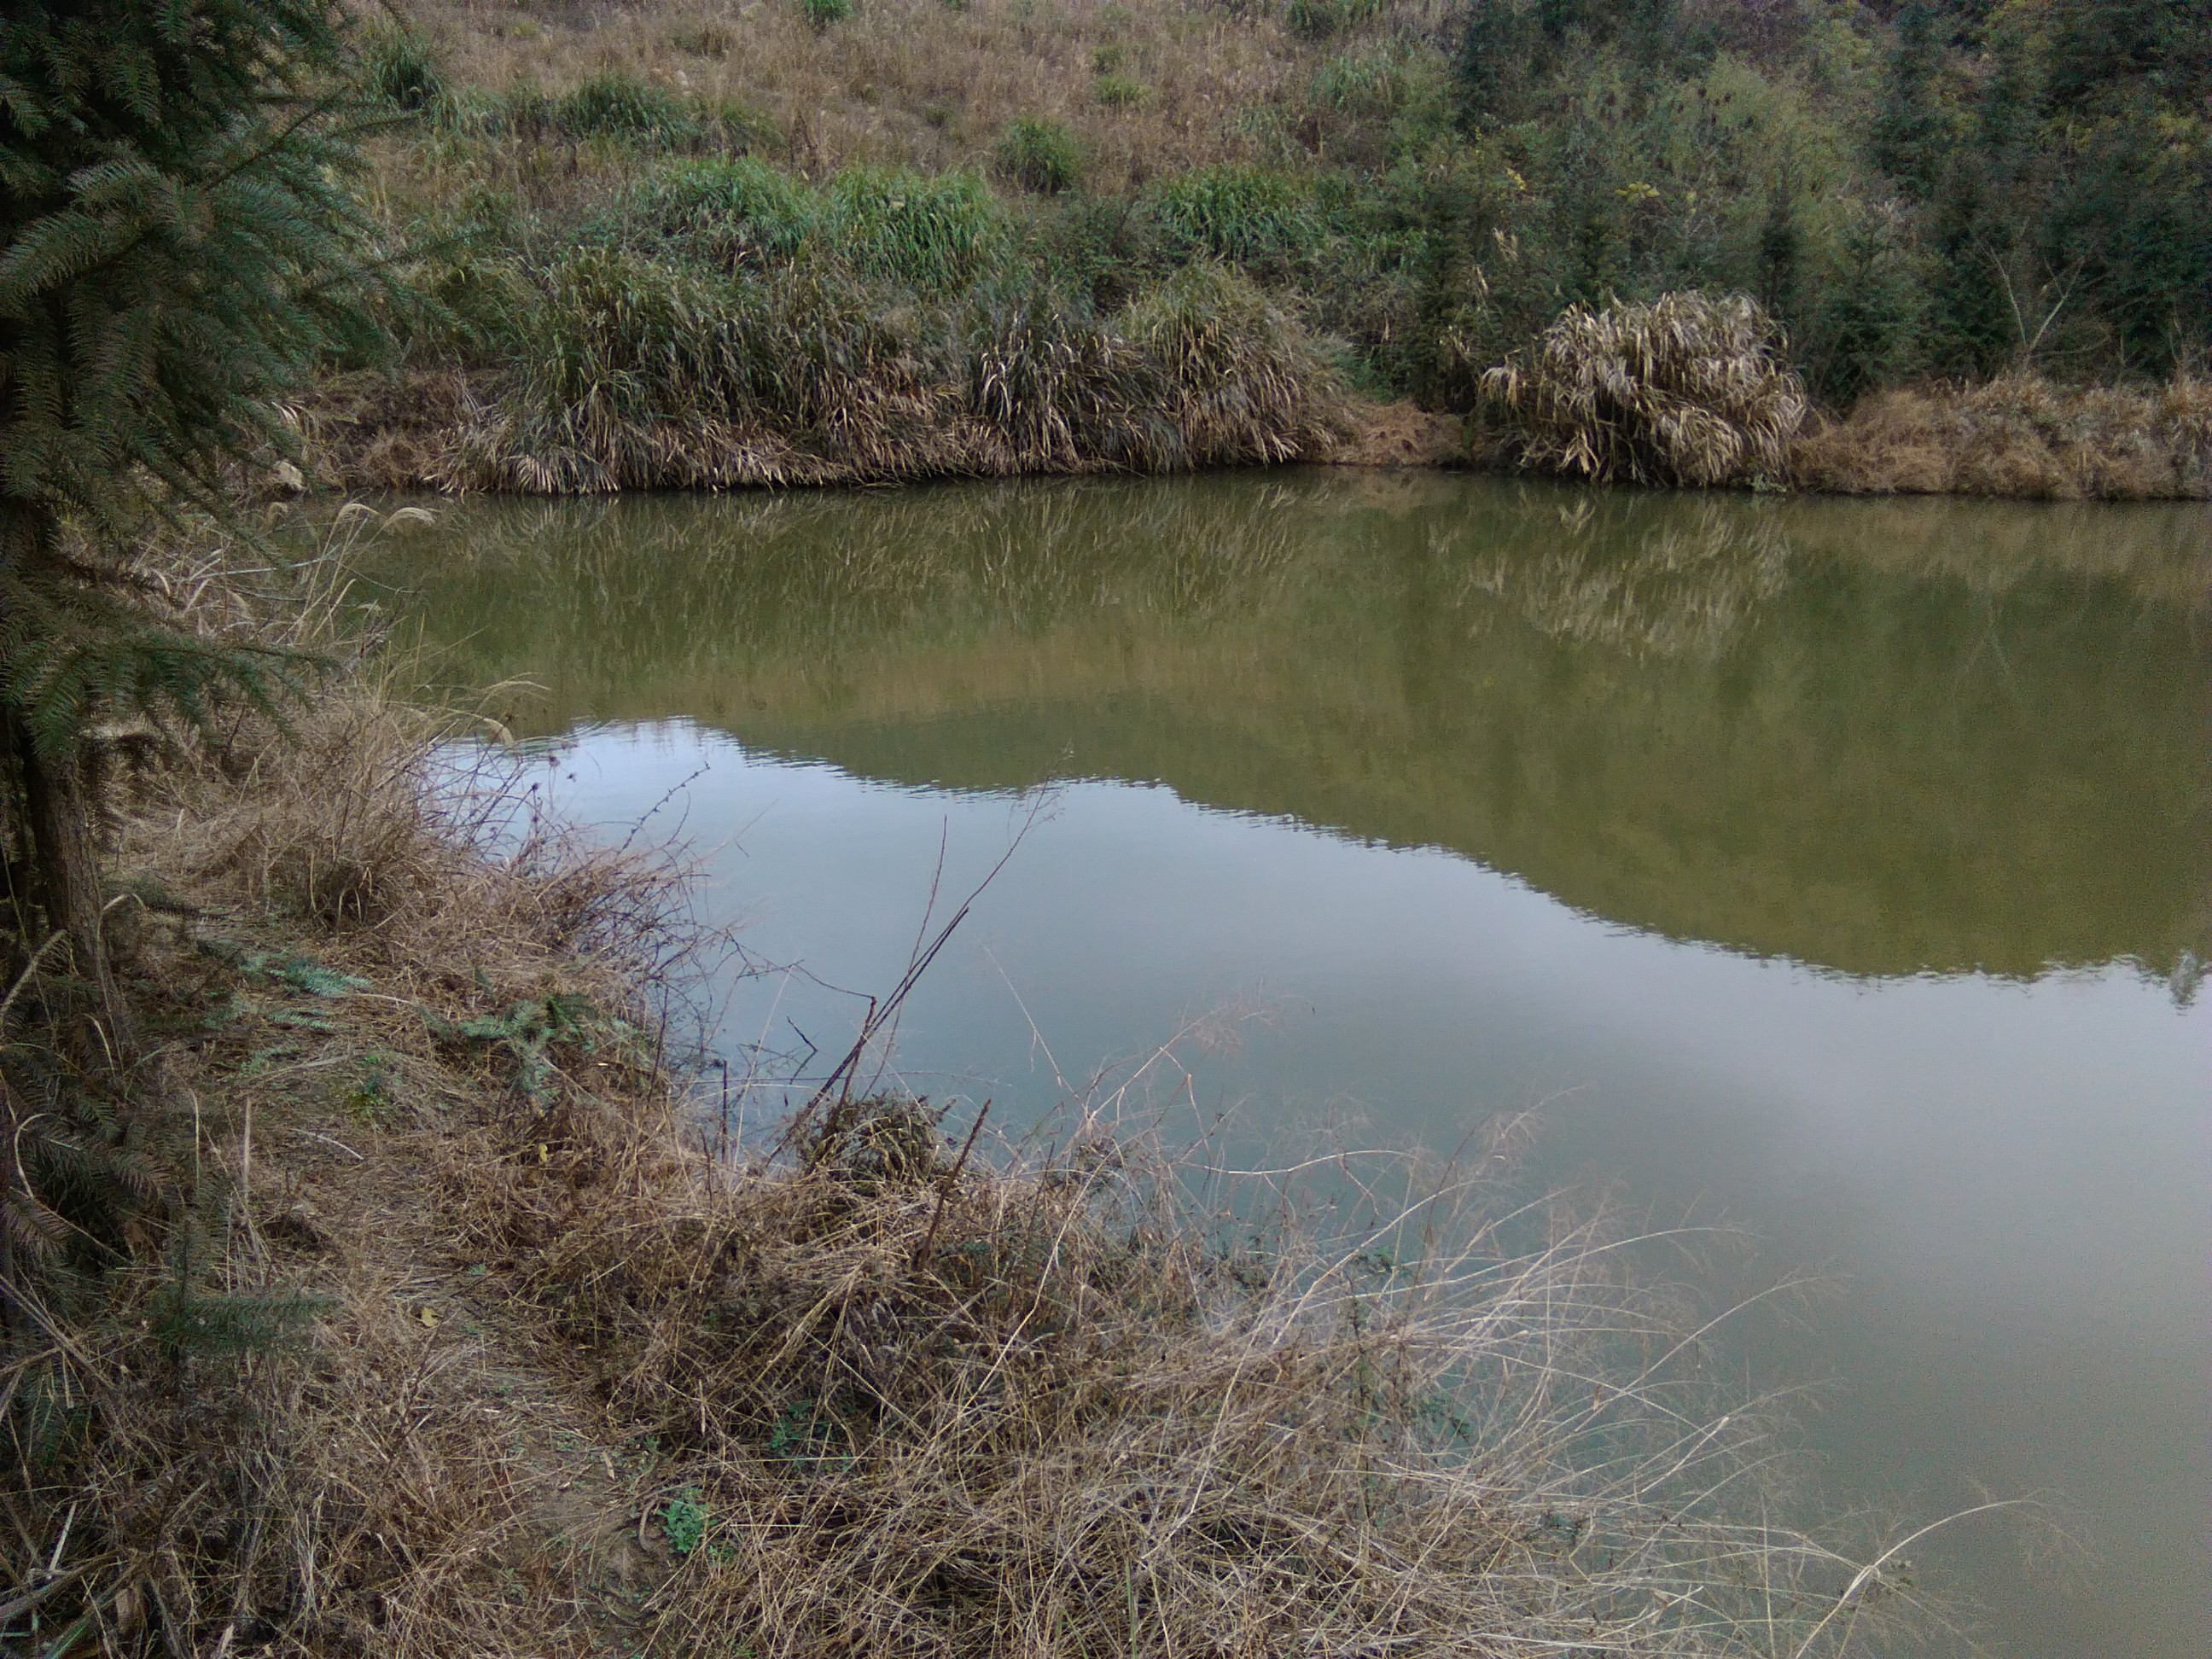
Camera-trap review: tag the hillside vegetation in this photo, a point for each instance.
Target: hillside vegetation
(810, 239)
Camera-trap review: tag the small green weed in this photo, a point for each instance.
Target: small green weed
(291, 968)
(684, 1522)
(530, 1028)
(1119, 91)
(374, 1091)
(825, 14)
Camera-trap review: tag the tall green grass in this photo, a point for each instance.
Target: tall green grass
(727, 211)
(627, 371)
(935, 233)
(1249, 216)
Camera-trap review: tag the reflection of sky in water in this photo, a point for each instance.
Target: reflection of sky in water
(1983, 1111)
(2010, 1179)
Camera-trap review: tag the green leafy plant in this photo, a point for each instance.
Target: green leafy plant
(684, 1521)
(294, 969)
(826, 14)
(529, 1029)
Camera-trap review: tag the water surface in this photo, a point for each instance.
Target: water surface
(1840, 869)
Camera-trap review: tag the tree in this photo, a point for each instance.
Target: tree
(177, 247)
(1492, 67)
(1908, 132)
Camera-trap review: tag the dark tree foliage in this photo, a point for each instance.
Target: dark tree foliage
(1496, 42)
(2020, 185)
(177, 247)
(1908, 135)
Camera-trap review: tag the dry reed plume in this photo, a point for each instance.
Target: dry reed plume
(1686, 390)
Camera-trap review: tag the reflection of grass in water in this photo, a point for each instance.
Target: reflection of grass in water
(1787, 725)
(1678, 588)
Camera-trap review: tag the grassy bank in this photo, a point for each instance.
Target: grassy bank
(427, 1311)
(674, 244)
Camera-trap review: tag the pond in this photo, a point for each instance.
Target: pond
(1838, 869)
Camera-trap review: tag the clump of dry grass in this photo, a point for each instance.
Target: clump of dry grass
(1686, 390)
(2019, 435)
(919, 1400)
(263, 1417)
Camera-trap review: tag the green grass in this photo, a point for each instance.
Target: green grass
(1039, 155)
(934, 233)
(1247, 215)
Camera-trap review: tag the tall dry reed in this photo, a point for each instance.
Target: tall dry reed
(1685, 390)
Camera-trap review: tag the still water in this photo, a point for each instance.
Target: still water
(1838, 869)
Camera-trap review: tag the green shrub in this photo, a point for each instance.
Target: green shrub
(398, 67)
(1039, 155)
(1248, 215)
(614, 105)
(933, 232)
(822, 13)
(727, 212)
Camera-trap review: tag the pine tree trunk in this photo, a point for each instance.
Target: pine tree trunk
(13, 1193)
(65, 868)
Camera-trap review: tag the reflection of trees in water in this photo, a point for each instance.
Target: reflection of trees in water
(1650, 575)
(1781, 723)
(831, 570)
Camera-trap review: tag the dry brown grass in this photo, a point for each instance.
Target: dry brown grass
(923, 82)
(468, 1338)
(288, 1424)
(920, 1403)
(2020, 435)
(1685, 390)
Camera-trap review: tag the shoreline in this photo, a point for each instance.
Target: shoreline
(2016, 438)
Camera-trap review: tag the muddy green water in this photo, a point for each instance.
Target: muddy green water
(1841, 870)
